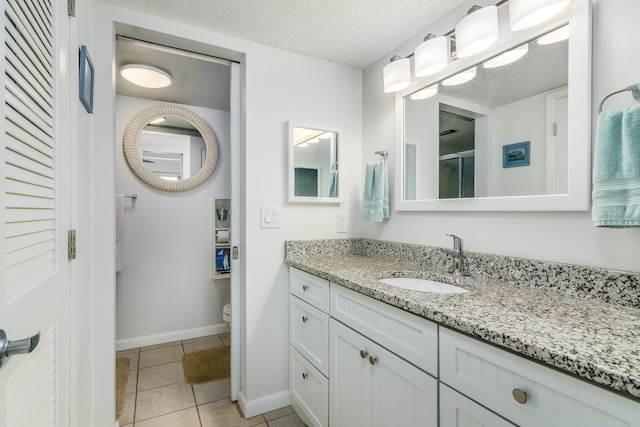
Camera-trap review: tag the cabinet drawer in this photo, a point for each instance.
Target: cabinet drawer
(309, 333)
(457, 410)
(309, 391)
(489, 376)
(309, 288)
(409, 336)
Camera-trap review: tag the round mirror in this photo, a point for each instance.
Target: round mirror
(170, 148)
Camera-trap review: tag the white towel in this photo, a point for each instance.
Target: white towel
(119, 232)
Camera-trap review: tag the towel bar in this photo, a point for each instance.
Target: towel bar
(383, 153)
(634, 89)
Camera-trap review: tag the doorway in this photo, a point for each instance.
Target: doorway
(168, 300)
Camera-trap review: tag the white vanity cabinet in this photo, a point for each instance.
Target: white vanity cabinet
(378, 358)
(309, 347)
(457, 410)
(527, 393)
(370, 386)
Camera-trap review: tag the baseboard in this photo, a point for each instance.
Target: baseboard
(127, 343)
(251, 408)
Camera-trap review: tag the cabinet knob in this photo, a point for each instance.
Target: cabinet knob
(305, 287)
(372, 360)
(519, 395)
(304, 375)
(305, 318)
(363, 354)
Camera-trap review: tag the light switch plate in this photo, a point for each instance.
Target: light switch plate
(269, 217)
(341, 223)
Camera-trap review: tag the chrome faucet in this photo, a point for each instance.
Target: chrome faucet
(459, 268)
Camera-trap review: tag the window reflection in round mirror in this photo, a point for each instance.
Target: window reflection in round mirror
(170, 148)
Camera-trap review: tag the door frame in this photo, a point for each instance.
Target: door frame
(109, 20)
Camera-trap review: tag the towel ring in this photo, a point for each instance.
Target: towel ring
(634, 89)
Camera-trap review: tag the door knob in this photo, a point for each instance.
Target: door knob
(12, 348)
(363, 354)
(372, 360)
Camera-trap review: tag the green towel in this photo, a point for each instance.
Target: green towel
(333, 183)
(375, 204)
(616, 169)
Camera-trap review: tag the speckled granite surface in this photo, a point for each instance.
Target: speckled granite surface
(541, 310)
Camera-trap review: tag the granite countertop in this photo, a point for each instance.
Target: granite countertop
(586, 337)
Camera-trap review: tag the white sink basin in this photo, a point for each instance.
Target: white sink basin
(423, 285)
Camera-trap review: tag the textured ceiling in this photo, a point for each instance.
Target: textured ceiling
(356, 33)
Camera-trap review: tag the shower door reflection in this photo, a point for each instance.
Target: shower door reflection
(457, 175)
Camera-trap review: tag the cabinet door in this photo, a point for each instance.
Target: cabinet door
(350, 385)
(459, 411)
(402, 395)
(309, 390)
(309, 333)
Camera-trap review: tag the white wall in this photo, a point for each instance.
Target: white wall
(278, 86)
(523, 120)
(165, 287)
(562, 237)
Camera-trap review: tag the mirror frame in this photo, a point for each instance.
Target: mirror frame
(578, 198)
(290, 148)
(130, 145)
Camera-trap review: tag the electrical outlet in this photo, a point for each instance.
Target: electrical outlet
(341, 223)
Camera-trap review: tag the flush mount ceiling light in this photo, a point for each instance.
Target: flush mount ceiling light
(425, 93)
(477, 31)
(525, 14)
(461, 77)
(146, 76)
(556, 36)
(431, 56)
(508, 57)
(396, 75)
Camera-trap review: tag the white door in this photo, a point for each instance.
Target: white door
(401, 394)
(235, 281)
(34, 290)
(350, 377)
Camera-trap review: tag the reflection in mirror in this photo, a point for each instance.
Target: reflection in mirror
(454, 132)
(171, 148)
(314, 172)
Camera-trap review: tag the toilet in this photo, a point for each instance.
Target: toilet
(226, 313)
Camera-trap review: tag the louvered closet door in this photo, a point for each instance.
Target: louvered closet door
(34, 290)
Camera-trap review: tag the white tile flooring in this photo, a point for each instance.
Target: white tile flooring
(157, 395)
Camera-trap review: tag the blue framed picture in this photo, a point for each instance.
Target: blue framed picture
(86, 80)
(518, 154)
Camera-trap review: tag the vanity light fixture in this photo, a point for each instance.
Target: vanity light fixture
(431, 56)
(425, 93)
(396, 74)
(157, 121)
(555, 36)
(477, 31)
(461, 77)
(525, 14)
(146, 76)
(508, 57)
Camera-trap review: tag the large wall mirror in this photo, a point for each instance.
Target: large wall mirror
(488, 134)
(170, 148)
(313, 164)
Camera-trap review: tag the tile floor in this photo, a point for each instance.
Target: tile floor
(157, 395)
